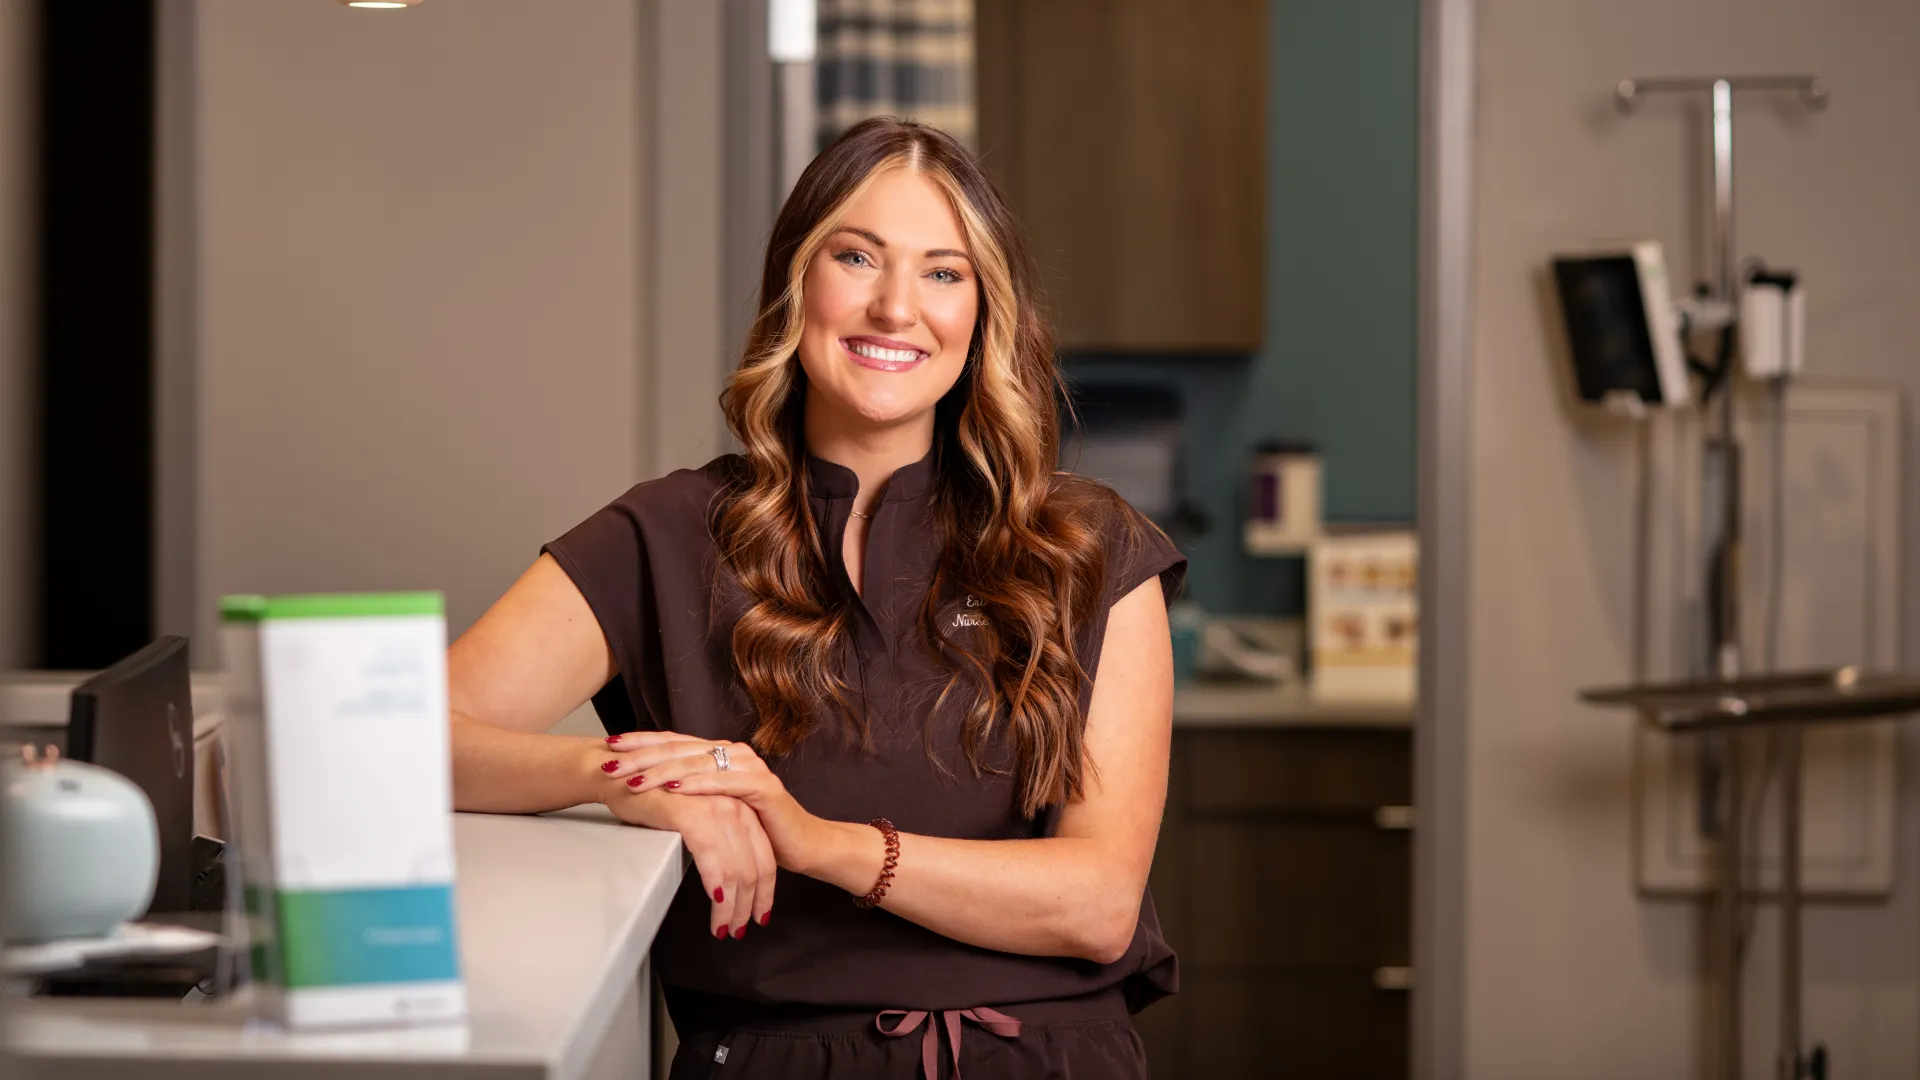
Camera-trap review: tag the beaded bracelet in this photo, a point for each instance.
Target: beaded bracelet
(892, 836)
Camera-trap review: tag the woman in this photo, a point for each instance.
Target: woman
(886, 664)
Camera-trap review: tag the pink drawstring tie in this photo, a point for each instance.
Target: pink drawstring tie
(910, 1019)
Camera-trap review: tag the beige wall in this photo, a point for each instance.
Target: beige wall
(418, 292)
(1568, 973)
(688, 323)
(17, 387)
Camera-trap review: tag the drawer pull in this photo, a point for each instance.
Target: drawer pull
(1393, 978)
(1393, 817)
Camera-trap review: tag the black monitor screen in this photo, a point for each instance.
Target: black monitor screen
(1607, 327)
(136, 718)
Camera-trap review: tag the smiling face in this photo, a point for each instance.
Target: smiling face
(891, 302)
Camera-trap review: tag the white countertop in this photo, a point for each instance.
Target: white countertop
(1206, 704)
(556, 915)
(41, 699)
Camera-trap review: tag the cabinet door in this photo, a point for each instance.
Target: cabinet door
(1325, 1025)
(1287, 893)
(1130, 136)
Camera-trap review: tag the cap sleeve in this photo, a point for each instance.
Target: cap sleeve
(606, 556)
(1139, 550)
(1136, 551)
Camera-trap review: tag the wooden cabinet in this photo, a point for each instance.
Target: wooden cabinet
(1130, 136)
(1287, 892)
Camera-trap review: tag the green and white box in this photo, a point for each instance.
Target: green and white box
(342, 785)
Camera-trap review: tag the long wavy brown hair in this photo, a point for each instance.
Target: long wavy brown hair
(1022, 539)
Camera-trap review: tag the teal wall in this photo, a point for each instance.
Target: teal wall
(1338, 362)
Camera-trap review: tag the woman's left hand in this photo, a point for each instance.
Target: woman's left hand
(688, 766)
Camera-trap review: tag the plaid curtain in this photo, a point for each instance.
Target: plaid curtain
(908, 58)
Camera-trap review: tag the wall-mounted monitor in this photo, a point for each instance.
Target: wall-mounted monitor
(1622, 327)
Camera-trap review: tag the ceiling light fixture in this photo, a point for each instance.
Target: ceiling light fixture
(380, 5)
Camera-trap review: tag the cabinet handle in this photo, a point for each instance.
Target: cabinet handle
(1393, 817)
(1393, 978)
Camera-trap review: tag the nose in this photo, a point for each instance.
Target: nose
(895, 305)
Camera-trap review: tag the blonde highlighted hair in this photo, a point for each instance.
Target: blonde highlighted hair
(1022, 539)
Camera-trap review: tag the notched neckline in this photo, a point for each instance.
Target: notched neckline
(830, 480)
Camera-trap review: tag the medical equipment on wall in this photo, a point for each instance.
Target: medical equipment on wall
(1623, 328)
(1629, 334)
(1629, 337)
(1773, 324)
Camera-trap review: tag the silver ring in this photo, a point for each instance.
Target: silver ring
(720, 759)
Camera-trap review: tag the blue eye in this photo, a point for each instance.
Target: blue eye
(947, 277)
(852, 258)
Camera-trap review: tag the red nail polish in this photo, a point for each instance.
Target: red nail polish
(636, 781)
(721, 933)
(740, 933)
(610, 766)
(766, 917)
(719, 894)
(611, 739)
(673, 784)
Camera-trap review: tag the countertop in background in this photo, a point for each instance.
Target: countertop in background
(1211, 703)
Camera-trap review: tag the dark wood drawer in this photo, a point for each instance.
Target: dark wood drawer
(1284, 890)
(1295, 895)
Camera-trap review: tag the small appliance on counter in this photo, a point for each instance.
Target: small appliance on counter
(1283, 498)
(111, 893)
(83, 848)
(1130, 435)
(1250, 647)
(1233, 648)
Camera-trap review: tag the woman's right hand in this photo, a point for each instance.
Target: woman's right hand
(730, 850)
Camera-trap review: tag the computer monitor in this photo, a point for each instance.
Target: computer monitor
(136, 718)
(1622, 327)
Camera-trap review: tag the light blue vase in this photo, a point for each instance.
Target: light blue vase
(83, 849)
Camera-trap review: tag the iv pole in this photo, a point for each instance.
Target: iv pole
(1725, 622)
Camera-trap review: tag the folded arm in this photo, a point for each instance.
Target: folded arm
(535, 656)
(1076, 893)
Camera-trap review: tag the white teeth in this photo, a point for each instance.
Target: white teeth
(875, 352)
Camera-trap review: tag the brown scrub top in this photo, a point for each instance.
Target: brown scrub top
(648, 568)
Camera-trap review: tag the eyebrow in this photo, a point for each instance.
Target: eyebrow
(933, 253)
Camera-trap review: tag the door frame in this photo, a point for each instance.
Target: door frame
(1445, 255)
